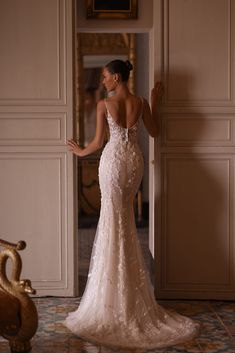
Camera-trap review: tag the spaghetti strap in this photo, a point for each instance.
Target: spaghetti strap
(142, 106)
(105, 103)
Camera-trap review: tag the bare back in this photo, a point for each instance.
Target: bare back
(125, 111)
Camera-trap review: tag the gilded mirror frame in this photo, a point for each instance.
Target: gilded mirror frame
(100, 44)
(112, 9)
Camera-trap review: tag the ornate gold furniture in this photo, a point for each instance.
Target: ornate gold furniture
(18, 314)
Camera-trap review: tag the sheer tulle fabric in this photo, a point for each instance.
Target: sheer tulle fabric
(118, 308)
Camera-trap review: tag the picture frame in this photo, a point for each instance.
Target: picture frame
(112, 9)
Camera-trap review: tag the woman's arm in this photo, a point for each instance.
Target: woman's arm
(98, 140)
(151, 117)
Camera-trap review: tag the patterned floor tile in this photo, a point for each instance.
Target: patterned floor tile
(53, 337)
(187, 307)
(225, 312)
(217, 318)
(51, 349)
(213, 336)
(217, 346)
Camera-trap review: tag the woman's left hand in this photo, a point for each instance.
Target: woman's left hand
(74, 147)
(157, 92)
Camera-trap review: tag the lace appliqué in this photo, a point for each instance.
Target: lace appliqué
(118, 308)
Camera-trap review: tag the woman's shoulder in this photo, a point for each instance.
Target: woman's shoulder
(101, 105)
(138, 99)
(144, 101)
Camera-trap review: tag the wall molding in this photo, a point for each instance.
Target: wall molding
(229, 100)
(33, 128)
(167, 283)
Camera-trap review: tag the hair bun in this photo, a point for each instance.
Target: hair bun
(129, 65)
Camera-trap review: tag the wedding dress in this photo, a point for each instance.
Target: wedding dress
(118, 308)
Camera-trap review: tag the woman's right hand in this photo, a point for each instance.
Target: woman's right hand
(157, 92)
(74, 147)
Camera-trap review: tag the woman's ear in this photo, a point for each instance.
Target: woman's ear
(116, 77)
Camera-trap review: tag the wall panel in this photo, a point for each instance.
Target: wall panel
(36, 119)
(32, 128)
(32, 61)
(38, 180)
(195, 220)
(199, 51)
(195, 240)
(198, 129)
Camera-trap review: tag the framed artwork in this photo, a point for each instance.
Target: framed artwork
(112, 9)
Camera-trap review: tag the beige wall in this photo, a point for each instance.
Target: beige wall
(36, 118)
(195, 168)
(193, 175)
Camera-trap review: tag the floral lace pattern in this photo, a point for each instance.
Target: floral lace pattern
(118, 307)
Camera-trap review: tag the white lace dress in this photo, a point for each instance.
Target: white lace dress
(118, 308)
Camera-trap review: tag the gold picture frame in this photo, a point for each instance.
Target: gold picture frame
(112, 9)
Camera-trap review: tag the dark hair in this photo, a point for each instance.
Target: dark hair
(120, 67)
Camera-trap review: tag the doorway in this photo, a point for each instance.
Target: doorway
(94, 51)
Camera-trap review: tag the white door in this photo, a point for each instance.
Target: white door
(194, 165)
(36, 118)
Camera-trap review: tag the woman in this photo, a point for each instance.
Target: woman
(118, 308)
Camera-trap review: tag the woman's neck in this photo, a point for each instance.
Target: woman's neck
(122, 90)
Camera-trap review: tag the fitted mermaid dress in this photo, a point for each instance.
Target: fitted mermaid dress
(118, 308)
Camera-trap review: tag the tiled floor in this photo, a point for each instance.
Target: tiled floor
(217, 318)
(217, 328)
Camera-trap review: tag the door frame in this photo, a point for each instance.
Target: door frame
(155, 73)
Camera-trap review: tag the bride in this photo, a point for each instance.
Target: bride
(118, 308)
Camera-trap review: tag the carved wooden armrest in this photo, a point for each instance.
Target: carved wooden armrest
(18, 288)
